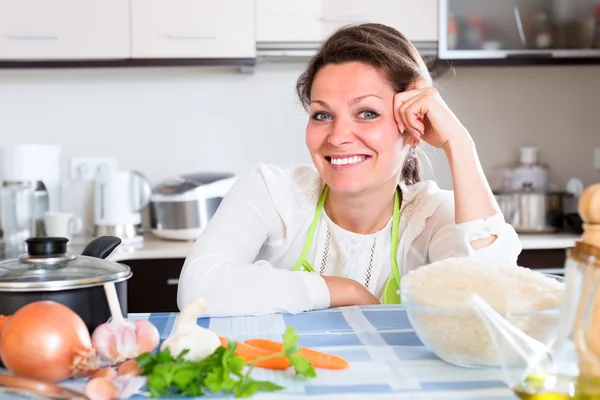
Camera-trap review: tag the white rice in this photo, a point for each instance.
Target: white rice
(449, 325)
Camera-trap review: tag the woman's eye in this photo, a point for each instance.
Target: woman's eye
(320, 116)
(368, 114)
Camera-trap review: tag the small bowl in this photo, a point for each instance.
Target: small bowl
(449, 326)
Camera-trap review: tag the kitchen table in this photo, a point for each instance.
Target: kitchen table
(387, 360)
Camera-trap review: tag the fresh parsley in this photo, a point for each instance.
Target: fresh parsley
(222, 371)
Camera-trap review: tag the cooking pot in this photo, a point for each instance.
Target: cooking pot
(531, 211)
(48, 272)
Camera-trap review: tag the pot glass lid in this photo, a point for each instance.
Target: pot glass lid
(48, 266)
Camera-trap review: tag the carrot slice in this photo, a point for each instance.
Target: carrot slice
(251, 353)
(317, 358)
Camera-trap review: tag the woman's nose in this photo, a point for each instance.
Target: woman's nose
(341, 133)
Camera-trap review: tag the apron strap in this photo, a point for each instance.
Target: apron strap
(302, 264)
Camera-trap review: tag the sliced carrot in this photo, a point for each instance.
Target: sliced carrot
(317, 358)
(251, 353)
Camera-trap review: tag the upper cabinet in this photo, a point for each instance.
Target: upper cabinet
(519, 29)
(289, 21)
(64, 29)
(311, 21)
(192, 29)
(416, 19)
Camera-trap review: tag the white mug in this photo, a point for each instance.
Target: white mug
(62, 224)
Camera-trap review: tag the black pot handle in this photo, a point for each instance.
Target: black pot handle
(101, 247)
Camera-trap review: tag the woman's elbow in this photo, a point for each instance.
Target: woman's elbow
(191, 285)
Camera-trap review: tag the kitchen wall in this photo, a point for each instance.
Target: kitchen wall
(164, 121)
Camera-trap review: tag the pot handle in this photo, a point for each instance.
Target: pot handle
(101, 247)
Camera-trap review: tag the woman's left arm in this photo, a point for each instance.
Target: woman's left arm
(473, 197)
(422, 114)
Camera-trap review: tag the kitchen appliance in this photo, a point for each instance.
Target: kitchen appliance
(533, 211)
(119, 198)
(528, 173)
(30, 176)
(48, 272)
(180, 208)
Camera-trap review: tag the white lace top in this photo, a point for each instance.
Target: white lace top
(241, 264)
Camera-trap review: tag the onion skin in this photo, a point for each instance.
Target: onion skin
(3, 320)
(48, 341)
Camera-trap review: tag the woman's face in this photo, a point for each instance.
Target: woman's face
(352, 135)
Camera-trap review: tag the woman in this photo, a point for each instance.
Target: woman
(344, 232)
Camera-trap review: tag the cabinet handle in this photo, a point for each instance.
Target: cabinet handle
(22, 36)
(189, 36)
(173, 281)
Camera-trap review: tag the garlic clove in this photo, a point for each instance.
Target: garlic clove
(107, 372)
(147, 336)
(129, 367)
(101, 389)
(104, 342)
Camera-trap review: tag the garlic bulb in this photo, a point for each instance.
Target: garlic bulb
(200, 342)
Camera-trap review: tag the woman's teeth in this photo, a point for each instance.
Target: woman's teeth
(348, 160)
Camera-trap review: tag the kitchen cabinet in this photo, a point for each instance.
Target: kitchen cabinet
(292, 21)
(153, 286)
(289, 21)
(543, 30)
(549, 260)
(192, 29)
(417, 19)
(64, 29)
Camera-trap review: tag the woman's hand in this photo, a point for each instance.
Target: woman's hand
(421, 112)
(348, 292)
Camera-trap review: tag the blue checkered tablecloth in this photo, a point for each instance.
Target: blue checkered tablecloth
(387, 360)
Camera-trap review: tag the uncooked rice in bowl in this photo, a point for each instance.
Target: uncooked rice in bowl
(437, 300)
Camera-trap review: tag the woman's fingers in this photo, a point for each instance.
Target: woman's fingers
(399, 100)
(413, 112)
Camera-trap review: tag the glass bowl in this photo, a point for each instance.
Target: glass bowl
(449, 326)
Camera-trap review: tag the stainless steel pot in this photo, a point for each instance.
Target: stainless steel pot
(530, 211)
(48, 272)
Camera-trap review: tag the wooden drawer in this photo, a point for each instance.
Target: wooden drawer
(153, 286)
(192, 28)
(64, 29)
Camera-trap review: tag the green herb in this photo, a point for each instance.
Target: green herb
(222, 371)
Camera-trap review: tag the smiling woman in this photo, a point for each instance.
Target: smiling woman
(344, 230)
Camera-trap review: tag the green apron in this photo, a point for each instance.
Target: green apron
(391, 291)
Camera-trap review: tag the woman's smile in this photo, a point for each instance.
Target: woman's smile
(345, 162)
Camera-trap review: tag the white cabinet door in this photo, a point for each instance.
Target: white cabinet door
(64, 29)
(192, 29)
(289, 21)
(416, 19)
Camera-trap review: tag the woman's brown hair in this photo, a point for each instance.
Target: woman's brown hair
(381, 47)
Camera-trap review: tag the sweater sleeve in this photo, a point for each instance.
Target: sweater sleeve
(221, 267)
(449, 239)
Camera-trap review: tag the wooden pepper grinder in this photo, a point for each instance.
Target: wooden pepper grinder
(587, 254)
